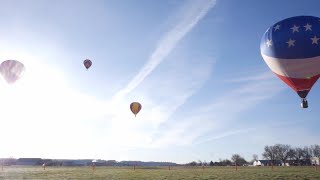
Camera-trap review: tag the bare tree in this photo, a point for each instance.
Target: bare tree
(298, 154)
(255, 157)
(291, 155)
(282, 152)
(315, 150)
(238, 160)
(235, 158)
(225, 162)
(205, 163)
(211, 163)
(193, 163)
(269, 153)
(242, 161)
(307, 154)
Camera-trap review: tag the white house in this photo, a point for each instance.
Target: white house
(268, 163)
(315, 161)
(285, 164)
(257, 163)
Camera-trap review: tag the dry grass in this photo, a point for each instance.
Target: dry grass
(36, 172)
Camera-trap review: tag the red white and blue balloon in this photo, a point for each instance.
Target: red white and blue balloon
(291, 49)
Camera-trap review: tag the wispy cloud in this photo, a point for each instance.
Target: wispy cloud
(261, 77)
(206, 122)
(164, 91)
(225, 134)
(169, 41)
(161, 95)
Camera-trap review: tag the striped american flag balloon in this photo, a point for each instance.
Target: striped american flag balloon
(291, 49)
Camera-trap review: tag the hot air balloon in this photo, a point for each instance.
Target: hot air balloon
(87, 63)
(11, 70)
(291, 49)
(135, 108)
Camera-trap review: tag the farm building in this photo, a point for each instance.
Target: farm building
(268, 163)
(257, 163)
(29, 161)
(315, 161)
(80, 162)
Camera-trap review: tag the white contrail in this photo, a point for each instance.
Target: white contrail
(225, 134)
(168, 42)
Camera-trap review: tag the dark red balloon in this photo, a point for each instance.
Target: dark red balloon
(87, 63)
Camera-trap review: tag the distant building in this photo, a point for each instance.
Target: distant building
(29, 161)
(257, 163)
(267, 163)
(111, 163)
(82, 162)
(78, 162)
(315, 161)
(67, 162)
(8, 161)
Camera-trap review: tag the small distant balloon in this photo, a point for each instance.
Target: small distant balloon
(11, 70)
(87, 63)
(135, 108)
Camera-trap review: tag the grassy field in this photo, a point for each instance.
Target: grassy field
(27, 172)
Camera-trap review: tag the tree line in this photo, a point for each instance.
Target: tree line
(276, 154)
(296, 155)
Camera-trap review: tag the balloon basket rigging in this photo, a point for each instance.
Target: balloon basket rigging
(304, 103)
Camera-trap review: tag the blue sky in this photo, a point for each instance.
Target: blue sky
(195, 66)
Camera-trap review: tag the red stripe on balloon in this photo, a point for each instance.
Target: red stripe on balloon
(298, 84)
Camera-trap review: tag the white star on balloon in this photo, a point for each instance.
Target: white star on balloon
(269, 43)
(315, 40)
(295, 28)
(291, 42)
(308, 27)
(277, 27)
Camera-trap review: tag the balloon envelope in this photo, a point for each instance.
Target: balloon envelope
(291, 49)
(87, 63)
(135, 107)
(11, 70)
